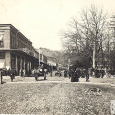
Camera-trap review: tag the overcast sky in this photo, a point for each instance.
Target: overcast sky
(42, 20)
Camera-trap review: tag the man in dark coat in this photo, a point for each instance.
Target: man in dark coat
(36, 74)
(87, 75)
(65, 73)
(72, 75)
(102, 72)
(69, 73)
(14, 73)
(76, 75)
(11, 72)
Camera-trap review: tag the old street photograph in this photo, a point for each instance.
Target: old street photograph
(57, 57)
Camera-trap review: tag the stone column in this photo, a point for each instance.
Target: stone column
(7, 59)
(20, 62)
(30, 65)
(24, 63)
(16, 64)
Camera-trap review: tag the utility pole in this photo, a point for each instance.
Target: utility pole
(94, 52)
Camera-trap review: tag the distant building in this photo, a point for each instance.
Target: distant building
(16, 51)
(52, 65)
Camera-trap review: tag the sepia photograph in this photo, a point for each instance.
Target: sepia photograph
(57, 57)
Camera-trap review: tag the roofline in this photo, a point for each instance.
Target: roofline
(10, 25)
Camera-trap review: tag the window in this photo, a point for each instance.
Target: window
(14, 43)
(18, 44)
(2, 55)
(1, 40)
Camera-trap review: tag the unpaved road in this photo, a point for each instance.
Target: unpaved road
(55, 98)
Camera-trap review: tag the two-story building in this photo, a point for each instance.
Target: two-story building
(16, 51)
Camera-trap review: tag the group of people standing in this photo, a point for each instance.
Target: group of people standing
(10, 72)
(77, 73)
(74, 74)
(99, 73)
(36, 72)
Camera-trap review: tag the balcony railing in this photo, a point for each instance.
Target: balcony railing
(26, 50)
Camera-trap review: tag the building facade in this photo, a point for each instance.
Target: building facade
(16, 51)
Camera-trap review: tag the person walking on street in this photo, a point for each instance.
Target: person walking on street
(69, 73)
(45, 71)
(87, 75)
(102, 73)
(36, 74)
(11, 72)
(24, 73)
(14, 71)
(76, 75)
(72, 75)
(32, 73)
(59, 73)
(20, 72)
(65, 73)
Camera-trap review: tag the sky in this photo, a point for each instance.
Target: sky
(42, 21)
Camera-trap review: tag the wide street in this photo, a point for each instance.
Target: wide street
(56, 96)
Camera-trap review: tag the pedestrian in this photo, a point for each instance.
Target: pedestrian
(76, 75)
(20, 72)
(36, 74)
(59, 73)
(83, 73)
(87, 75)
(14, 71)
(45, 71)
(32, 72)
(11, 72)
(24, 73)
(69, 73)
(102, 71)
(5, 72)
(65, 73)
(96, 73)
(72, 75)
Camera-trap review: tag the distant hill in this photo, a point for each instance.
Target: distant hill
(55, 56)
(49, 53)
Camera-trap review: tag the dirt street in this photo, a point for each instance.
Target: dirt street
(55, 96)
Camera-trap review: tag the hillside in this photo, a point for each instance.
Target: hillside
(55, 56)
(51, 55)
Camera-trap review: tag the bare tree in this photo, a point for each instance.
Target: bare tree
(89, 30)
